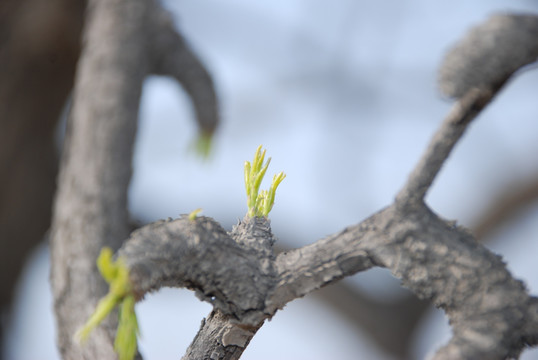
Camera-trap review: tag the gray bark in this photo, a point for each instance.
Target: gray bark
(490, 53)
(171, 56)
(91, 203)
(221, 337)
(491, 313)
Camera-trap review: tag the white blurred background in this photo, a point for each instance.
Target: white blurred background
(343, 95)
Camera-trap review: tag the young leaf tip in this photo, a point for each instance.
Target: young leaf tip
(202, 145)
(194, 214)
(116, 273)
(259, 202)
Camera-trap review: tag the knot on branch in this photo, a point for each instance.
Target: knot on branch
(442, 262)
(489, 54)
(254, 233)
(232, 271)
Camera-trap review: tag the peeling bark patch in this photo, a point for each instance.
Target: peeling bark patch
(234, 335)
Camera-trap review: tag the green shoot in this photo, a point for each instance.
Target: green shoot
(260, 203)
(203, 143)
(125, 343)
(120, 294)
(194, 214)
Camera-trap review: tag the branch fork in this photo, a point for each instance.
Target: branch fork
(492, 314)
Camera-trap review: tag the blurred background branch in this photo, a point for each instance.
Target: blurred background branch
(39, 47)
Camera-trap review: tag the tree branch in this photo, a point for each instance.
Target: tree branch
(515, 198)
(171, 55)
(441, 145)
(489, 54)
(220, 337)
(90, 209)
(91, 204)
(491, 313)
(389, 323)
(32, 95)
(199, 255)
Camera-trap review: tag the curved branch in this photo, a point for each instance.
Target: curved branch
(474, 71)
(441, 145)
(303, 270)
(515, 198)
(491, 313)
(171, 55)
(198, 254)
(441, 263)
(489, 54)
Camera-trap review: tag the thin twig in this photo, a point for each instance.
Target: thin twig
(442, 143)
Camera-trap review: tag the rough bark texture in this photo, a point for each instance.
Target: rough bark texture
(491, 313)
(490, 54)
(190, 254)
(220, 337)
(91, 203)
